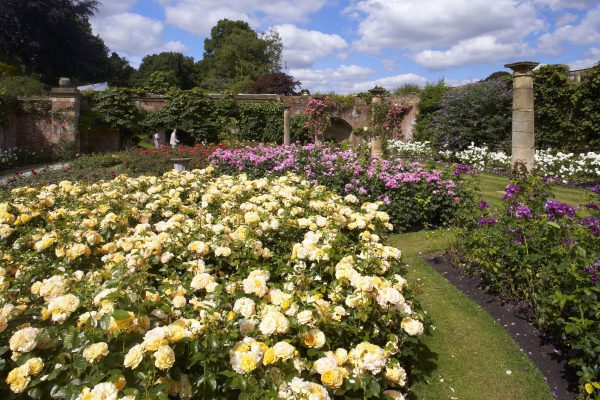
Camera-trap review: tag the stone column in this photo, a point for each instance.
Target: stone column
(523, 131)
(376, 141)
(287, 137)
(66, 107)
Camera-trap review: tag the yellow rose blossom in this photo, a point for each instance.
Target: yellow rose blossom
(95, 352)
(164, 357)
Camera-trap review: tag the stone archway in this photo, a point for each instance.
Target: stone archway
(339, 130)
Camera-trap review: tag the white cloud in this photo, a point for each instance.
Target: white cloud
(592, 57)
(199, 16)
(586, 33)
(112, 7)
(349, 79)
(302, 47)
(481, 49)
(418, 24)
(134, 35)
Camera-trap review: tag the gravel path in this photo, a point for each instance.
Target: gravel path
(28, 171)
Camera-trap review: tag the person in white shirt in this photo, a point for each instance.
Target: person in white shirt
(174, 142)
(157, 140)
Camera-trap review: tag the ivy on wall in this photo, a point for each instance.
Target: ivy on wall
(261, 122)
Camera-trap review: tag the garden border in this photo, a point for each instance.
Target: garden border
(545, 355)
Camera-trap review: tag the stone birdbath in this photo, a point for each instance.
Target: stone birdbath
(180, 163)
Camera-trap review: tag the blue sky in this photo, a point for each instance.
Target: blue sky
(350, 45)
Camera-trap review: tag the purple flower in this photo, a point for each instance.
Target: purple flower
(593, 271)
(483, 205)
(461, 169)
(555, 209)
(592, 223)
(487, 221)
(523, 212)
(595, 189)
(510, 191)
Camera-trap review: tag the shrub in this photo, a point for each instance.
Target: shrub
(261, 122)
(413, 196)
(478, 113)
(429, 102)
(544, 255)
(203, 287)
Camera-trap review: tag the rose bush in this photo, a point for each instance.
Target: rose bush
(412, 195)
(567, 167)
(196, 286)
(545, 256)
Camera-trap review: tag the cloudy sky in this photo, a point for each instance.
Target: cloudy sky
(351, 45)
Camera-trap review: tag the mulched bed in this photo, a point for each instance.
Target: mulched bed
(561, 380)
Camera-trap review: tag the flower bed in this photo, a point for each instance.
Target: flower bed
(545, 255)
(199, 286)
(567, 167)
(413, 196)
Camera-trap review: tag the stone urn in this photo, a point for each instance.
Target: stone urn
(181, 163)
(65, 82)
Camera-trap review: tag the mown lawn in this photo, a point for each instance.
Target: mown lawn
(468, 354)
(492, 189)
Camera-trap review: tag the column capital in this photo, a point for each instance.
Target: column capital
(522, 67)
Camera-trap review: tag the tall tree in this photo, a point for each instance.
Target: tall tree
(120, 71)
(175, 64)
(274, 83)
(53, 38)
(235, 56)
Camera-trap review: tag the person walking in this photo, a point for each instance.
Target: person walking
(157, 140)
(174, 142)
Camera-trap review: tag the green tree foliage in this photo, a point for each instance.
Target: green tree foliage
(274, 83)
(498, 75)
(115, 109)
(235, 56)
(21, 85)
(188, 110)
(53, 38)
(158, 82)
(407, 88)
(262, 122)
(179, 67)
(429, 103)
(120, 71)
(554, 107)
(587, 109)
(479, 112)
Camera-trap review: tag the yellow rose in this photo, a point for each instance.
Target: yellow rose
(95, 352)
(248, 363)
(18, 379)
(165, 357)
(269, 357)
(334, 377)
(134, 357)
(35, 365)
(314, 339)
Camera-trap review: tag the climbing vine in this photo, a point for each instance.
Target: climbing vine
(319, 116)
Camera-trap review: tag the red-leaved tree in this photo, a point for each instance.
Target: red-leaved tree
(274, 83)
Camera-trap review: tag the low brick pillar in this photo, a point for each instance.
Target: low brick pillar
(65, 108)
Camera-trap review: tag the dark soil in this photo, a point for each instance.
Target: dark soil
(548, 358)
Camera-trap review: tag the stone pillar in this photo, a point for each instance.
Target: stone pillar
(287, 136)
(523, 131)
(376, 141)
(66, 107)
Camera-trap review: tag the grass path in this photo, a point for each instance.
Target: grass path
(468, 354)
(492, 189)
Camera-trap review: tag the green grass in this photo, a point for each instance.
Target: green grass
(467, 354)
(492, 190)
